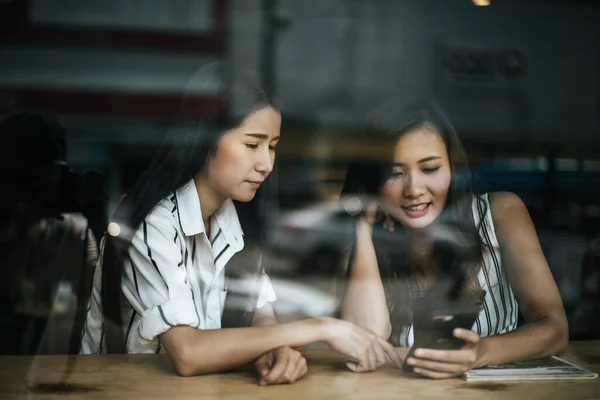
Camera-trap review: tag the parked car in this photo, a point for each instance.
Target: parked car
(315, 237)
(320, 236)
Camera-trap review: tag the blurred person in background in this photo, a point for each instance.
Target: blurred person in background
(160, 285)
(47, 250)
(447, 239)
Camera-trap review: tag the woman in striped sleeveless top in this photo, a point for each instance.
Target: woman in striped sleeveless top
(428, 230)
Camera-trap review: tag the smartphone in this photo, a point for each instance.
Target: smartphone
(434, 326)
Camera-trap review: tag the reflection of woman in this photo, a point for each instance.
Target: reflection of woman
(44, 251)
(171, 270)
(442, 234)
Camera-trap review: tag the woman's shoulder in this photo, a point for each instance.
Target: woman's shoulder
(506, 208)
(502, 203)
(163, 213)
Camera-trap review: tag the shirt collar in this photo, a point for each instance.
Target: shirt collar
(229, 222)
(190, 214)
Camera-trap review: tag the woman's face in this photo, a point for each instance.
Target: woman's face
(245, 156)
(418, 186)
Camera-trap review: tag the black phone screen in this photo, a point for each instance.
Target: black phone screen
(434, 326)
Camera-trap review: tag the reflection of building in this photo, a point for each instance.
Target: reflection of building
(465, 66)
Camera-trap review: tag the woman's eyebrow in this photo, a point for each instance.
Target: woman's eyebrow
(423, 160)
(261, 136)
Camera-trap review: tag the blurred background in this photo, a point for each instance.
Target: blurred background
(519, 79)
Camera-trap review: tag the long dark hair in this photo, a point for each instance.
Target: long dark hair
(182, 155)
(457, 248)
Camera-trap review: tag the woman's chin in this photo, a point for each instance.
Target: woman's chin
(244, 197)
(418, 223)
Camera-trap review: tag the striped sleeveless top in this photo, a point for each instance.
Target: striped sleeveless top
(500, 310)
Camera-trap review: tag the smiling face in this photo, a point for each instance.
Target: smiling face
(244, 157)
(418, 187)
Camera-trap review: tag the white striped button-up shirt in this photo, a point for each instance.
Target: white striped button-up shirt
(174, 274)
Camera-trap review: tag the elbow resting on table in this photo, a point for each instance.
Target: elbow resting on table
(187, 367)
(183, 344)
(182, 361)
(186, 362)
(558, 335)
(184, 371)
(563, 338)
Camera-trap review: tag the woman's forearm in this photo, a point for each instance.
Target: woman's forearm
(195, 351)
(264, 316)
(364, 303)
(545, 337)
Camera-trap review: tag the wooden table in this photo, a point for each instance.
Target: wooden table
(151, 376)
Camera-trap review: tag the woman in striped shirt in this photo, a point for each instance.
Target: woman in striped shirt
(160, 283)
(430, 230)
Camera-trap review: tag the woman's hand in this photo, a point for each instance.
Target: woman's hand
(373, 211)
(366, 219)
(442, 364)
(367, 350)
(281, 365)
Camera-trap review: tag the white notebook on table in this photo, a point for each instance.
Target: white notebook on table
(548, 368)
